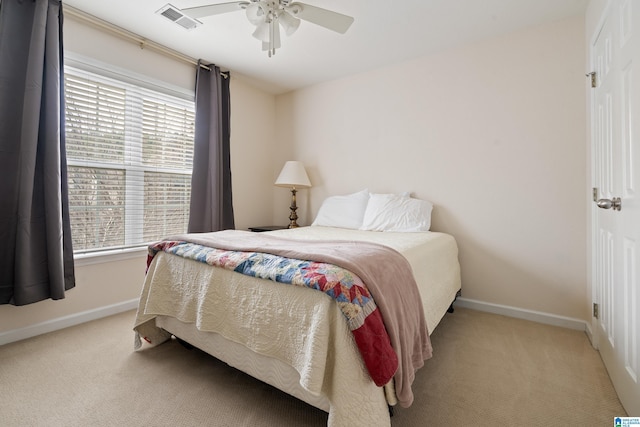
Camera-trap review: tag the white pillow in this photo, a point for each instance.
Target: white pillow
(391, 212)
(343, 211)
(403, 194)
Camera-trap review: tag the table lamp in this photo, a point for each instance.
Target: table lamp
(293, 176)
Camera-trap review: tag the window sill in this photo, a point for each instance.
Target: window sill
(109, 256)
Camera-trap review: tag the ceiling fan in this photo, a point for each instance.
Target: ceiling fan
(269, 15)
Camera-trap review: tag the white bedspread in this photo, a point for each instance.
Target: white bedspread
(353, 396)
(302, 328)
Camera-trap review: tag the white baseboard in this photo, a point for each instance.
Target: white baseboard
(86, 316)
(521, 313)
(589, 331)
(66, 321)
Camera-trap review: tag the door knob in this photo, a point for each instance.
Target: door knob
(614, 203)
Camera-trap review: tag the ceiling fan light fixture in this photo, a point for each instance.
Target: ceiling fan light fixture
(256, 13)
(262, 31)
(268, 15)
(288, 22)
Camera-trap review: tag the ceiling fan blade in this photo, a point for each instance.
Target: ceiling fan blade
(325, 18)
(212, 9)
(276, 36)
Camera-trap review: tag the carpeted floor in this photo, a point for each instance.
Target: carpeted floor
(487, 370)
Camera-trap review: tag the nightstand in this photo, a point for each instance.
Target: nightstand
(268, 228)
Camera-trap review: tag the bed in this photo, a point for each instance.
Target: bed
(291, 337)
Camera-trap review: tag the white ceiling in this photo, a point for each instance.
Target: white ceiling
(384, 32)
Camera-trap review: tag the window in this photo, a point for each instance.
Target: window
(130, 155)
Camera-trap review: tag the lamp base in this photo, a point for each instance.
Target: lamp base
(293, 216)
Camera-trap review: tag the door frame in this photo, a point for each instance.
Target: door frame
(591, 167)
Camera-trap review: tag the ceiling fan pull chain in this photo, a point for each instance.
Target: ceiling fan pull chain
(271, 49)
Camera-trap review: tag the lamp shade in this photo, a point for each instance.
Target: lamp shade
(293, 175)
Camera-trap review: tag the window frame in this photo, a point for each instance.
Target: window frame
(127, 78)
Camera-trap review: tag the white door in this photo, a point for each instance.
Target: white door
(615, 129)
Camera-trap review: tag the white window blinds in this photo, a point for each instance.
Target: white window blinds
(130, 155)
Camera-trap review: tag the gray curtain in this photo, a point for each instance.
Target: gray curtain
(36, 255)
(211, 202)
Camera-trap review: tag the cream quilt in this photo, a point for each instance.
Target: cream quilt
(303, 328)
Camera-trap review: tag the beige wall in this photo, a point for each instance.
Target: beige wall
(492, 133)
(252, 135)
(97, 286)
(253, 131)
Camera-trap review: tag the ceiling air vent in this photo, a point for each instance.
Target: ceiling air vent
(174, 14)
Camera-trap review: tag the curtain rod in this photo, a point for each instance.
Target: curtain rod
(128, 35)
